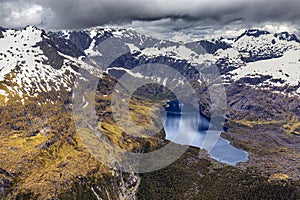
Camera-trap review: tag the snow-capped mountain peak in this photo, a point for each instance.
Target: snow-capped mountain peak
(34, 63)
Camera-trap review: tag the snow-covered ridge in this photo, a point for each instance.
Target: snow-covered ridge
(272, 60)
(100, 31)
(23, 66)
(256, 53)
(282, 72)
(17, 47)
(180, 52)
(257, 45)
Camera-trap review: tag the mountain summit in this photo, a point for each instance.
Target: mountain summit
(39, 71)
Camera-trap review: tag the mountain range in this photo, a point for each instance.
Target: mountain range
(39, 71)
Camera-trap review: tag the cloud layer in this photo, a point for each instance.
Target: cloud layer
(174, 14)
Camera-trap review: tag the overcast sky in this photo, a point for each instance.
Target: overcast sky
(186, 16)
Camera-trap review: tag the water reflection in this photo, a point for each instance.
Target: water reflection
(183, 125)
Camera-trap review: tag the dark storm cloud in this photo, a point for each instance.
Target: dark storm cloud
(87, 13)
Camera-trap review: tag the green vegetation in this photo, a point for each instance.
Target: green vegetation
(194, 178)
(290, 125)
(49, 157)
(43, 156)
(40, 149)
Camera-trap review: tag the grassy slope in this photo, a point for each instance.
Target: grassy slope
(43, 157)
(41, 149)
(42, 153)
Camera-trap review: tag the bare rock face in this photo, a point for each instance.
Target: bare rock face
(210, 47)
(63, 45)
(1, 34)
(53, 44)
(54, 59)
(259, 104)
(5, 181)
(81, 39)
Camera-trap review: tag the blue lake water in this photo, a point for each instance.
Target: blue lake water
(187, 127)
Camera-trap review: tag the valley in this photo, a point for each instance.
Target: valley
(247, 86)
